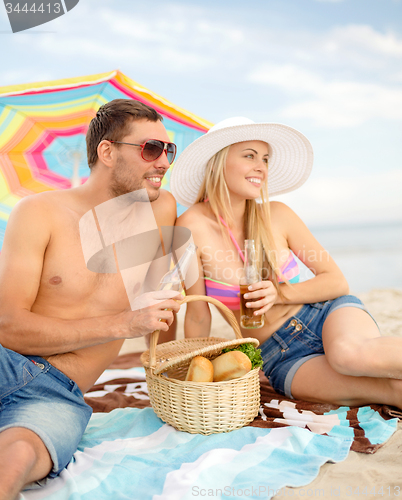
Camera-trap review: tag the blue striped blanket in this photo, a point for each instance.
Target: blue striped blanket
(129, 453)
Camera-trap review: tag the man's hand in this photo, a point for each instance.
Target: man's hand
(158, 316)
(266, 292)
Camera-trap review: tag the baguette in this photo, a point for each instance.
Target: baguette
(230, 365)
(200, 370)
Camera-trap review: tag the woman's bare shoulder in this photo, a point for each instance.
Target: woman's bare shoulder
(284, 220)
(281, 213)
(277, 211)
(278, 208)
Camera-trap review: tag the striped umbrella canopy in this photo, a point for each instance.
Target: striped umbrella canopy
(43, 127)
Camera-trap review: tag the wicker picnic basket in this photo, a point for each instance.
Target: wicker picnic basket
(199, 408)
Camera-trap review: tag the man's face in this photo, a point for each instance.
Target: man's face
(131, 172)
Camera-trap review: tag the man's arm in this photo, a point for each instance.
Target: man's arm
(165, 210)
(21, 263)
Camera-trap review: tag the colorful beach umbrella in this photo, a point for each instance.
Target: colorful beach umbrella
(43, 127)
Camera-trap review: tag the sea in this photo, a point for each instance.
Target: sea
(369, 255)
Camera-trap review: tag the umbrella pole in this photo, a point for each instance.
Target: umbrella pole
(75, 179)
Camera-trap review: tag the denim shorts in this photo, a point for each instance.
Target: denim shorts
(298, 340)
(37, 396)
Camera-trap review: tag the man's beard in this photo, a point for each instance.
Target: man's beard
(122, 182)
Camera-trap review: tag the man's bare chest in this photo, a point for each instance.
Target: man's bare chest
(67, 283)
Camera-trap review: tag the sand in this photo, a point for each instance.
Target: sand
(360, 475)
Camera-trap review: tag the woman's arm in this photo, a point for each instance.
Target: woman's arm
(197, 321)
(328, 282)
(291, 233)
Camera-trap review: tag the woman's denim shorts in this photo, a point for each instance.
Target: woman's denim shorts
(298, 340)
(37, 396)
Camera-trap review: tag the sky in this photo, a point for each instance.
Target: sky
(329, 68)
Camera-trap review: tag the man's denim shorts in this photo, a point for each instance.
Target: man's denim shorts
(298, 340)
(37, 396)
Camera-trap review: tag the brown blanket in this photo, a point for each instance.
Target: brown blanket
(273, 411)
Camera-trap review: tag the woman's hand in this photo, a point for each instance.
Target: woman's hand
(263, 295)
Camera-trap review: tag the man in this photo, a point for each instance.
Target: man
(61, 325)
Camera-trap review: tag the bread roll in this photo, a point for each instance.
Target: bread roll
(200, 370)
(230, 365)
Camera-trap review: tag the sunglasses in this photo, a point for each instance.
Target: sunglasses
(151, 150)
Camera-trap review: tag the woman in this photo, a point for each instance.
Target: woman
(318, 343)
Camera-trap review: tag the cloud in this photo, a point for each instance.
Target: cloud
(11, 76)
(330, 103)
(190, 38)
(176, 38)
(347, 200)
(340, 78)
(367, 38)
(19, 75)
(289, 77)
(324, 77)
(354, 50)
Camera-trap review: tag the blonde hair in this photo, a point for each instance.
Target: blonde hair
(257, 217)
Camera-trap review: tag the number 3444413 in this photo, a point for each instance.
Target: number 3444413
(383, 491)
(41, 8)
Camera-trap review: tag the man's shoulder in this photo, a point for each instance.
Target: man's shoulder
(35, 203)
(29, 226)
(39, 209)
(165, 208)
(166, 197)
(44, 199)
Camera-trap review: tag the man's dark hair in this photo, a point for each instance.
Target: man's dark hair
(112, 122)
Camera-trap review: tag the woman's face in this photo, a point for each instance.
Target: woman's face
(246, 169)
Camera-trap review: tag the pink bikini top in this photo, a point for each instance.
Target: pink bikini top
(228, 294)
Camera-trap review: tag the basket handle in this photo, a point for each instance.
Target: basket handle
(193, 298)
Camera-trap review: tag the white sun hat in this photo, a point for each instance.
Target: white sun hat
(289, 165)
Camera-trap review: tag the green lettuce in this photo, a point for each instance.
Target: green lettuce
(250, 351)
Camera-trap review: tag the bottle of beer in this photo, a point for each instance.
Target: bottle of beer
(250, 275)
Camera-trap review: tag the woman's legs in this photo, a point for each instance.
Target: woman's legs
(318, 382)
(353, 345)
(359, 366)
